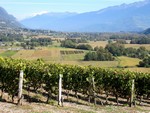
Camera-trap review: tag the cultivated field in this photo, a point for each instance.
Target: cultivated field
(57, 54)
(98, 43)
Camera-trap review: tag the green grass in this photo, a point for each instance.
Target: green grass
(8, 53)
(124, 61)
(104, 64)
(73, 57)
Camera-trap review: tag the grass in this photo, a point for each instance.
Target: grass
(98, 43)
(139, 69)
(128, 62)
(147, 46)
(23, 54)
(48, 54)
(104, 64)
(73, 57)
(55, 44)
(2, 50)
(45, 54)
(8, 53)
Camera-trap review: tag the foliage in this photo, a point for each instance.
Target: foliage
(90, 56)
(115, 48)
(136, 53)
(11, 37)
(121, 41)
(101, 54)
(143, 40)
(72, 43)
(68, 44)
(34, 42)
(118, 50)
(145, 62)
(79, 79)
(84, 47)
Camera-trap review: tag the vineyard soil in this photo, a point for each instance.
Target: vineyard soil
(69, 107)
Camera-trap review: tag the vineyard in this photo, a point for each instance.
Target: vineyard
(92, 82)
(71, 52)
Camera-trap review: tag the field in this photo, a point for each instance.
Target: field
(104, 43)
(57, 54)
(8, 53)
(147, 46)
(45, 54)
(128, 62)
(97, 43)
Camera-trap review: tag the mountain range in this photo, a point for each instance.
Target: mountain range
(7, 20)
(125, 17)
(147, 31)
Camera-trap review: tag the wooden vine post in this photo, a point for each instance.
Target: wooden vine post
(20, 88)
(60, 102)
(94, 95)
(132, 94)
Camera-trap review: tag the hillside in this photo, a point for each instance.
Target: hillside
(125, 17)
(7, 20)
(147, 31)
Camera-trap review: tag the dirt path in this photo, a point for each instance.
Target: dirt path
(6, 107)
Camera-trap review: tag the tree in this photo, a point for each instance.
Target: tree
(115, 48)
(142, 52)
(145, 62)
(68, 44)
(100, 55)
(84, 47)
(90, 56)
(142, 40)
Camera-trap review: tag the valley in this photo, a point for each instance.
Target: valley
(68, 62)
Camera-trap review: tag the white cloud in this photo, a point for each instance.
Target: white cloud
(39, 13)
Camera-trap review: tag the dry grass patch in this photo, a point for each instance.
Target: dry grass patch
(46, 54)
(23, 54)
(147, 46)
(139, 69)
(2, 50)
(97, 43)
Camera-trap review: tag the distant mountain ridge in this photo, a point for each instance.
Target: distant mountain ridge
(40, 21)
(8, 21)
(147, 31)
(125, 17)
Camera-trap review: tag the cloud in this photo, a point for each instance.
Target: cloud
(39, 13)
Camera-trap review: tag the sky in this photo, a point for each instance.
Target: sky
(27, 8)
